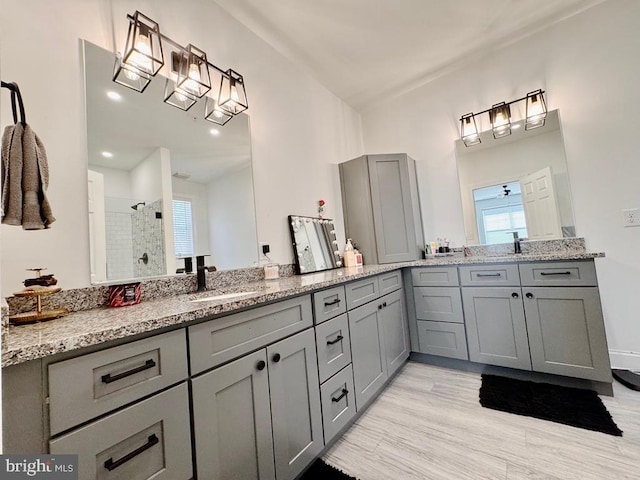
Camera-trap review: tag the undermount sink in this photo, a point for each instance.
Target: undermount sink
(222, 296)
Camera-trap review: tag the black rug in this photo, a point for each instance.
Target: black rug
(570, 406)
(323, 471)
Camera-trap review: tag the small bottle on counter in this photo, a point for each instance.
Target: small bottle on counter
(349, 257)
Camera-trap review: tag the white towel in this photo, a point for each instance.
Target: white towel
(25, 178)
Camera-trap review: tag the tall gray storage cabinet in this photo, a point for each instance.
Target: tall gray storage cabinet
(382, 208)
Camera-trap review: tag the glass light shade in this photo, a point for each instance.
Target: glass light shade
(500, 117)
(215, 114)
(193, 72)
(143, 50)
(536, 110)
(176, 97)
(469, 130)
(130, 76)
(232, 97)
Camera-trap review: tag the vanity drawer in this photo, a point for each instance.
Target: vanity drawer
(84, 387)
(329, 303)
(390, 282)
(435, 277)
(150, 439)
(334, 346)
(222, 339)
(338, 402)
(559, 274)
(443, 339)
(361, 292)
(494, 275)
(439, 304)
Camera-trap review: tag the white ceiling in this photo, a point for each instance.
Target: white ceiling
(363, 50)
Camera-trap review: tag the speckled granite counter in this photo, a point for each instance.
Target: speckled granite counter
(92, 327)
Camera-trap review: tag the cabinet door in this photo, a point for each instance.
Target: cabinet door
(496, 329)
(395, 331)
(367, 351)
(295, 404)
(566, 332)
(232, 421)
(392, 208)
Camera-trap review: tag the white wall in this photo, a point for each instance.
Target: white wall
(298, 128)
(589, 66)
(231, 221)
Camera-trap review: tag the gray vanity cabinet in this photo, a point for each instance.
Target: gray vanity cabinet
(566, 332)
(367, 351)
(496, 328)
(395, 331)
(382, 208)
(259, 417)
(379, 339)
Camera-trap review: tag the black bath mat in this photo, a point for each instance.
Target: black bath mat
(570, 406)
(323, 471)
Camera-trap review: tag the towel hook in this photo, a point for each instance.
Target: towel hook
(15, 91)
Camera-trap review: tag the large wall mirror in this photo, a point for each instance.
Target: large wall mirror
(164, 184)
(517, 183)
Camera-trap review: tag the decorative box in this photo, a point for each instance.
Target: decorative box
(123, 295)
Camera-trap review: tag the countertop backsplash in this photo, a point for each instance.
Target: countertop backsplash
(97, 296)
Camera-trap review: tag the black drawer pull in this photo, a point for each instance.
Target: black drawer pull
(529, 295)
(555, 273)
(488, 274)
(111, 465)
(110, 379)
(338, 339)
(335, 302)
(515, 295)
(342, 395)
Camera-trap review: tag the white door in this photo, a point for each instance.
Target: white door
(97, 229)
(540, 205)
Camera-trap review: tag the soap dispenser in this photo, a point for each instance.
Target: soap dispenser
(349, 257)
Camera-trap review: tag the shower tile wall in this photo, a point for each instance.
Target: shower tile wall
(148, 234)
(119, 245)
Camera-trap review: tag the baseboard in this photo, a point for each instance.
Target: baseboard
(624, 360)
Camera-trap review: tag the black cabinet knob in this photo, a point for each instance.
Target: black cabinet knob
(379, 307)
(276, 357)
(384, 304)
(261, 364)
(515, 295)
(529, 295)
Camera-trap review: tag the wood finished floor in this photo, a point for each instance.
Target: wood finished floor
(429, 425)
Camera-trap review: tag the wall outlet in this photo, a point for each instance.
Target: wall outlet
(631, 217)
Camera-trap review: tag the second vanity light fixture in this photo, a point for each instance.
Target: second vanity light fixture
(190, 77)
(500, 118)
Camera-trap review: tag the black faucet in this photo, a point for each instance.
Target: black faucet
(202, 276)
(516, 243)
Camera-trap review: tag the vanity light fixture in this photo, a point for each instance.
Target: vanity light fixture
(469, 130)
(190, 72)
(215, 114)
(536, 111)
(500, 118)
(142, 58)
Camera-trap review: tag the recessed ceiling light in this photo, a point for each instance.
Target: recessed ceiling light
(215, 131)
(114, 95)
(107, 154)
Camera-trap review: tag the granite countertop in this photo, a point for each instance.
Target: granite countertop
(92, 327)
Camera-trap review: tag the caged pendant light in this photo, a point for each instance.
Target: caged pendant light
(500, 118)
(189, 72)
(536, 111)
(469, 130)
(142, 58)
